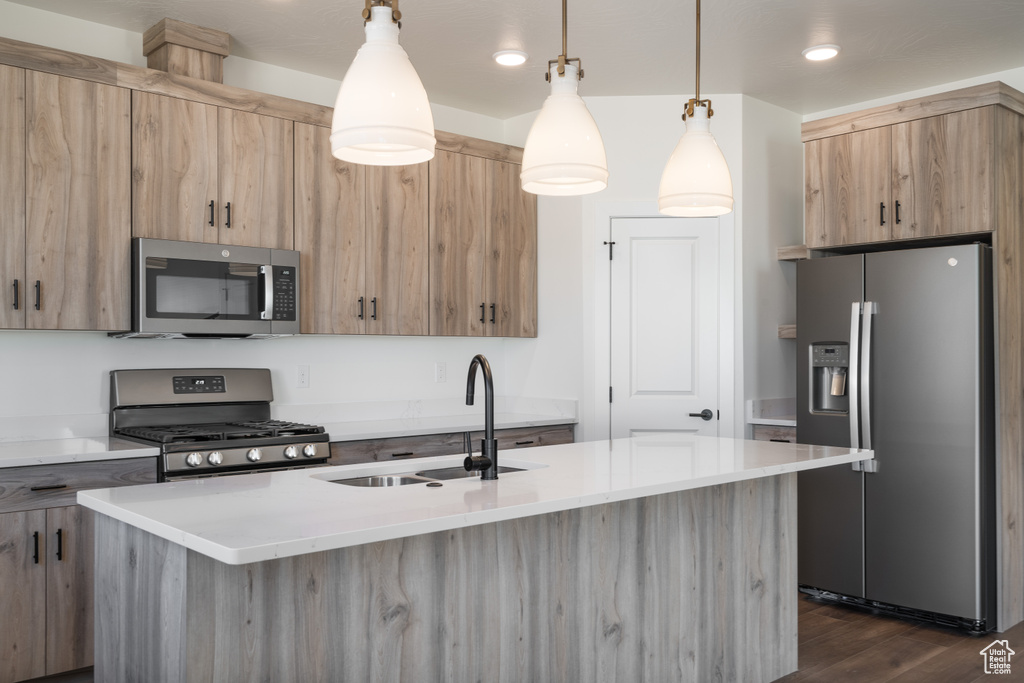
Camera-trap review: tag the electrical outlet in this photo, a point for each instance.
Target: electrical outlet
(440, 372)
(302, 377)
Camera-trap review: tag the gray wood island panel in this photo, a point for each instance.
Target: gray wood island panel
(692, 585)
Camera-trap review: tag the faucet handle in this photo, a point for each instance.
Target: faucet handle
(477, 463)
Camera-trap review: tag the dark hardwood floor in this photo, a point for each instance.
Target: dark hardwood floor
(847, 645)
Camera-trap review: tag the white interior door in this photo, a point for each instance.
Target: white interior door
(664, 325)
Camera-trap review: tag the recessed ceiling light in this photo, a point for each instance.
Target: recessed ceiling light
(510, 57)
(820, 52)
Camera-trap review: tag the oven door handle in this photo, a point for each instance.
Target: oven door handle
(268, 292)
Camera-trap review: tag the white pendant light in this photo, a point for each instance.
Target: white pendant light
(382, 116)
(696, 180)
(564, 153)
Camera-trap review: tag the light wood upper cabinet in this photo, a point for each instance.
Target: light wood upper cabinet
(362, 232)
(12, 197)
(23, 598)
(848, 196)
(511, 252)
(458, 243)
(207, 174)
(483, 238)
(330, 234)
(255, 163)
(943, 174)
(397, 250)
(77, 191)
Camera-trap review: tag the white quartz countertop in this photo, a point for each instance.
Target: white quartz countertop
(412, 426)
(256, 517)
(58, 451)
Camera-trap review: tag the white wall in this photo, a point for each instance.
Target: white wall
(773, 217)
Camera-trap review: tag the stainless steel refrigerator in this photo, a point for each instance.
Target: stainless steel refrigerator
(895, 354)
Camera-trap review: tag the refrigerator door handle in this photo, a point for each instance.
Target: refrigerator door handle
(870, 309)
(854, 378)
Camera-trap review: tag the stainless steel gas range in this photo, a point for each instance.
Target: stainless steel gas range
(210, 422)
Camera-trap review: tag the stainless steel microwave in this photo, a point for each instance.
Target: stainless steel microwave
(192, 289)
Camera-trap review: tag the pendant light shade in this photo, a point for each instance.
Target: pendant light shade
(382, 116)
(696, 180)
(564, 153)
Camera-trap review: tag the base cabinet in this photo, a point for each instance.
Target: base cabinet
(46, 592)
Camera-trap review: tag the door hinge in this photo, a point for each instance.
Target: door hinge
(611, 248)
(609, 394)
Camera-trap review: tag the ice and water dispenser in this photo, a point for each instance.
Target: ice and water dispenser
(830, 363)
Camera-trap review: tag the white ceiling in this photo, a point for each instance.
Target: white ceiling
(627, 47)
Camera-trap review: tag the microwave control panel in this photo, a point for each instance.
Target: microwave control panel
(284, 293)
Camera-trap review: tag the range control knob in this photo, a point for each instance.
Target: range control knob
(194, 459)
(309, 450)
(291, 452)
(215, 458)
(254, 455)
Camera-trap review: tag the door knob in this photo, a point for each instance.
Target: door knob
(705, 414)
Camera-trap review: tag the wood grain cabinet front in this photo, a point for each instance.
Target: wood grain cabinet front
(362, 232)
(65, 188)
(483, 248)
(46, 563)
(926, 177)
(46, 592)
(203, 173)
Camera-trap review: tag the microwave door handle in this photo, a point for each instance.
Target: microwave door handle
(268, 292)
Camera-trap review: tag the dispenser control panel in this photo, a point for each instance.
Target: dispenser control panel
(831, 355)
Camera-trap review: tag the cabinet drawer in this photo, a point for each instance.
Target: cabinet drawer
(396, 448)
(527, 437)
(774, 433)
(47, 486)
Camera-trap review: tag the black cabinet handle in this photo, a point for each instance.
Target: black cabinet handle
(16, 297)
(35, 543)
(213, 214)
(881, 213)
(492, 314)
(60, 545)
(360, 308)
(483, 313)
(373, 308)
(227, 224)
(39, 294)
(524, 443)
(402, 455)
(781, 440)
(897, 212)
(49, 487)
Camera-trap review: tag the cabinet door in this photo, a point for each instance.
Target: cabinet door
(396, 250)
(22, 595)
(458, 288)
(847, 184)
(256, 195)
(69, 589)
(943, 170)
(174, 169)
(78, 198)
(330, 233)
(511, 253)
(12, 197)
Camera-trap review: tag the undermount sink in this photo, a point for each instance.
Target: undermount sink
(379, 480)
(425, 477)
(460, 473)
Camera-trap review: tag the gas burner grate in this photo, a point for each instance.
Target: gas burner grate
(280, 427)
(256, 429)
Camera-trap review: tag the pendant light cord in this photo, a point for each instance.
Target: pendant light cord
(565, 28)
(698, 51)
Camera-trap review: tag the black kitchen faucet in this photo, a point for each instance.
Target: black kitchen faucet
(487, 461)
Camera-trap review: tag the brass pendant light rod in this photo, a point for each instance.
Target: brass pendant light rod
(563, 58)
(696, 101)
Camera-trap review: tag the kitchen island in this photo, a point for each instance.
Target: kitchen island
(668, 557)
